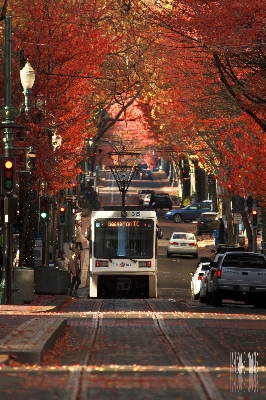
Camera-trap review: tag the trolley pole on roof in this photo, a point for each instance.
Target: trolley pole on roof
(123, 168)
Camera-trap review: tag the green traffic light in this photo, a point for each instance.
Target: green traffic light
(43, 215)
(8, 184)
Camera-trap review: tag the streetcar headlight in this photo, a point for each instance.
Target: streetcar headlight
(144, 264)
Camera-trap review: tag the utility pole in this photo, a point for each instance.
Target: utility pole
(8, 138)
(7, 161)
(254, 226)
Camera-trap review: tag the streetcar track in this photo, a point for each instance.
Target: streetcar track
(112, 312)
(204, 380)
(88, 354)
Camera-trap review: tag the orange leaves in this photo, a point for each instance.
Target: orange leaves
(66, 43)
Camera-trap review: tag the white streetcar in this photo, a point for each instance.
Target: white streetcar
(123, 253)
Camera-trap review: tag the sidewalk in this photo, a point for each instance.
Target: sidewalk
(28, 331)
(26, 335)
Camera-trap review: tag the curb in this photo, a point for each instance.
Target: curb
(29, 342)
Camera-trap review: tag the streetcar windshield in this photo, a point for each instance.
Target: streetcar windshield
(129, 238)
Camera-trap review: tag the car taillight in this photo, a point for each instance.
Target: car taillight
(173, 242)
(199, 277)
(201, 223)
(193, 244)
(213, 272)
(219, 273)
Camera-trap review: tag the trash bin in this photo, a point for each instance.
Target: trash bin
(63, 282)
(46, 280)
(216, 235)
(24, 281)
(50, 280)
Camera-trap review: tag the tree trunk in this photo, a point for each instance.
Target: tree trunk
(228, 215)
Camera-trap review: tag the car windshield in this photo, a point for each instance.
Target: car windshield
(207, 217)
(184, 236)
(245, 261)
(205, 266)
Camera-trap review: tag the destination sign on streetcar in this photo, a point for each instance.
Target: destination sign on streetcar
(113, 223)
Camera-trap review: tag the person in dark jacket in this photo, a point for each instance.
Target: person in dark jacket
(152, 201)
(75, 269)
(221, 231)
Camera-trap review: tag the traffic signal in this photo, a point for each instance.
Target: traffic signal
(8, 175)
(44, 209)
(254, 218)
(62, 214)
(74, 188)
(30, 160)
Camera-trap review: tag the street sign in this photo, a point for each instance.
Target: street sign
(237, 218)
(71, 198)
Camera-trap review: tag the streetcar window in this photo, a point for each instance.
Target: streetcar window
(115, 238)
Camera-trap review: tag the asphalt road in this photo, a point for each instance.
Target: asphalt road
(173, 272)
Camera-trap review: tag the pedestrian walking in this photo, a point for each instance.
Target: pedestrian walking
(62, 262)
(88, 233)
(78, 237)
(78, 216)
(152, 201)
(75, 269)
(221, 231)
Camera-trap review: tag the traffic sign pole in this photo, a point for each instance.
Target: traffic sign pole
(254, 240)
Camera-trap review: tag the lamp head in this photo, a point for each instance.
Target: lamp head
(27, 76)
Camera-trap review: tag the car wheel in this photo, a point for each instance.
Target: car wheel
(202, 299)
(257, 304)
(178, 218)
(168, 254)
(194, 296)
(208, 298)
(196, 256)
(216, 299)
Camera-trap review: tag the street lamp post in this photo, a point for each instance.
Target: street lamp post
(27, 78)
(8, 124)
